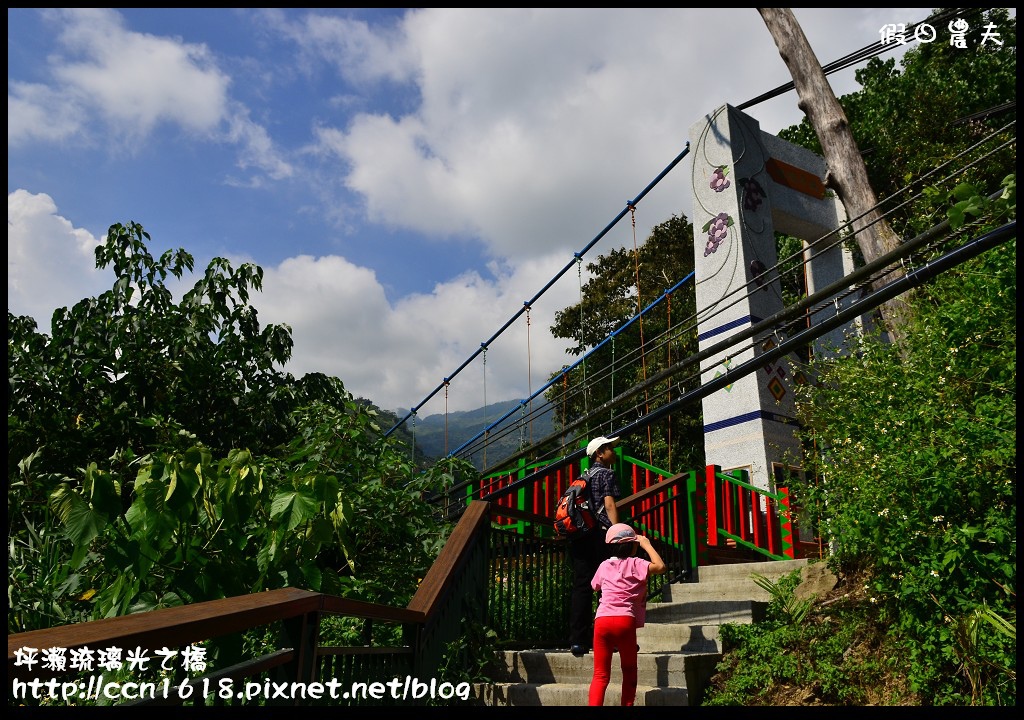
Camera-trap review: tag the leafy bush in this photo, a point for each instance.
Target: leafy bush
(918, 473)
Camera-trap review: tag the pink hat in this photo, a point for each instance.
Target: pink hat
(620, 533)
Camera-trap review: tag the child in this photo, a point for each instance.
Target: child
(622, 582)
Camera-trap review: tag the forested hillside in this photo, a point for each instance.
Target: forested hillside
(438, 435)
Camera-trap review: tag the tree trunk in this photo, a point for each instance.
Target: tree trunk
(847, 173)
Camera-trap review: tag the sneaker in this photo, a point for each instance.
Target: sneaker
(578, 650)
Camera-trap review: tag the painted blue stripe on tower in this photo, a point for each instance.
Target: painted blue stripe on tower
(747, 417)
(746, 319)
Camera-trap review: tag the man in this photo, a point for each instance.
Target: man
(589, 550)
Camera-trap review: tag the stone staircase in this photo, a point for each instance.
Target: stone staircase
(679, 645)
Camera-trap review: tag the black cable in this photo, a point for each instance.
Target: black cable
(865, 53)
(908, 282)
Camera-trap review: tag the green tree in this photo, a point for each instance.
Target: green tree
(917, 476)
(203, 363)
(914, 452)
(158, 456)
(943, 100)
(624, 283)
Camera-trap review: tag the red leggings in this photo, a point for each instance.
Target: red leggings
(611, 632)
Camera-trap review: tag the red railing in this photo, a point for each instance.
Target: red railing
(732, 511)
(725, 509)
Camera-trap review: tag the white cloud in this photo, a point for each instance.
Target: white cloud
(397, 354)
(358, 53)
(37, 112)
(535, 125)
(133, 82)
(136, 80)
(50, 263)
(524, 131)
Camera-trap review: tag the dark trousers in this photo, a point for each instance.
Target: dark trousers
(585, 555)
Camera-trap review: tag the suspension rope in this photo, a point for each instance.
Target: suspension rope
(529, 369)
(484, 347)
(611, 410)
(583, 363)
(522, 424)
(412, 449)
(668, 364)
(565, 394)
(639, 312)
(446, 416)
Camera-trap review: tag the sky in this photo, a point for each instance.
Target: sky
(407, 179)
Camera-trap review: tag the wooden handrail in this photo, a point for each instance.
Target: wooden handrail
(174, 626)
(432, 588)
(514, 514)
(657, 488)
(336, 605)
(168, 627)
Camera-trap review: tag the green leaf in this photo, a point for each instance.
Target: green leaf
(81, 522)
(293, 507)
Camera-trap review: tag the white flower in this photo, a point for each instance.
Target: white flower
(933, 573)
(938, 519)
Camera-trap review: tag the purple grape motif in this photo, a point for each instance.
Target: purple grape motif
(718, 181)
(718, 230)
(753, 194)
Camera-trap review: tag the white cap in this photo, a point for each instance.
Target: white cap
(594, 445)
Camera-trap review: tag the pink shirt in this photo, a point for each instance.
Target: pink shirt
(623, 586)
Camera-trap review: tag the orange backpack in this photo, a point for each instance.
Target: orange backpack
(573, 514)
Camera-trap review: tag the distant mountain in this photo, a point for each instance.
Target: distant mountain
(465, 425)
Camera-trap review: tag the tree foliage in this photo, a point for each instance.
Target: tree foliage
(159, 456)
(623, 283)
(917, 474)
(913, 452)
(943, 100)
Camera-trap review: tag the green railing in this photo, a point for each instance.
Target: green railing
(737, 512)
(502, 568)
(529, 599)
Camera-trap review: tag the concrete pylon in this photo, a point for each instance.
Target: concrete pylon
(748, 185)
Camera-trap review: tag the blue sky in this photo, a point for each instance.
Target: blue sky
(407, 179)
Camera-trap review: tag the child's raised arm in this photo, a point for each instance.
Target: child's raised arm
(657, 564)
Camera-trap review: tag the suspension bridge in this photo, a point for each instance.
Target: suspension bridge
(501, 564)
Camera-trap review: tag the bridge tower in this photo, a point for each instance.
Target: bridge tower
(748, 185)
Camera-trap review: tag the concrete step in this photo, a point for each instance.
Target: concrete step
(672, 638)
(535, 695)
(693, 627)
(701, 611)
(657, 669)
(773, 569)
(679, 645)
(727, 591)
